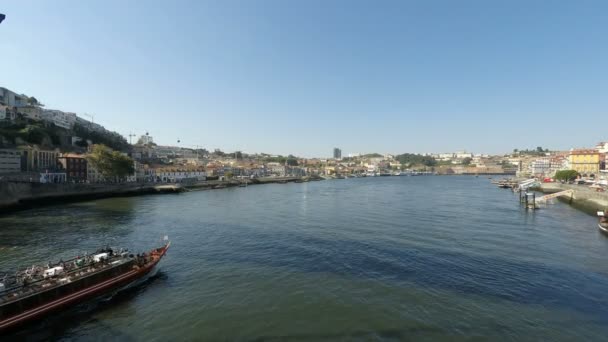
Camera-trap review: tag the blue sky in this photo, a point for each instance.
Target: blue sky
(304, 76)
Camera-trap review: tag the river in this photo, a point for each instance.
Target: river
(383, 258)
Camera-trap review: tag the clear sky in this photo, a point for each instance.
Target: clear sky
(305, 76)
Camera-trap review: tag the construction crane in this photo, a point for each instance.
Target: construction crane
(131, 135)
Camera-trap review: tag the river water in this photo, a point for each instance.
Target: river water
(384, 258)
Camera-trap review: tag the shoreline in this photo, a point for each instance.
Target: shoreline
(584, 199)
(15, 196)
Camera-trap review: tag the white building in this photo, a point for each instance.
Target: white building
(463, 154)
(59, 118)
(11, 99)
(558, 163)
(443, 156)
(145, 140)
(31, 112)
(602, 147)
(540, 166)
(276, 169)
(175, 175)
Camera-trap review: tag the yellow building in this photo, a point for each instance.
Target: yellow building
(585, 162)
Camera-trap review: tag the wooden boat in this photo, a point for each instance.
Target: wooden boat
(41, 290)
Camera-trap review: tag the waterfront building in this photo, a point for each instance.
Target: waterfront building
(10, 161)
(75, 166)
(558, 163)
(276, 169)
(149, 174)
(337, 153)
(540, 166)
(585, 161)
(180, 174)
(59, 118)
(36, 159)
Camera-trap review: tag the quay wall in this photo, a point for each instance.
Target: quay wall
(584, 198)
(22, 195)
(16, 195)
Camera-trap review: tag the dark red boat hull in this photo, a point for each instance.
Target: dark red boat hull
(83, 295)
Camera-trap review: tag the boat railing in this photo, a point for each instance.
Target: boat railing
(34, 285)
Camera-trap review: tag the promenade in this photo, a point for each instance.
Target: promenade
(585, 198)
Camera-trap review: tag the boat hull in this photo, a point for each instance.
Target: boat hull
(103, 288)
(602, 229)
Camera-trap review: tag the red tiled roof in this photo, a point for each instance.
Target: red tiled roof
(583, 151)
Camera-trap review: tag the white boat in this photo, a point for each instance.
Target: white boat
(603, 224)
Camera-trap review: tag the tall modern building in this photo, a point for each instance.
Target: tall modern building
(337, 153)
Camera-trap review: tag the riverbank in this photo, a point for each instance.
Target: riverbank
(583, 198)
(16, 196)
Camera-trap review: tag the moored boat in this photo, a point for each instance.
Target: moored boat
(33, 293)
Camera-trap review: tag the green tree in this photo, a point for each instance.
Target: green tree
(110, 164)
(218, 153)
(467, 161)
(33, 134)
(414, 159)
(228, 175)
(292, 160)
(566, 175)
(33, 101)
(111, 139)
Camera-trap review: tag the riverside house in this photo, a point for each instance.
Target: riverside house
(173, 174)
(585, 161)
(75, 166)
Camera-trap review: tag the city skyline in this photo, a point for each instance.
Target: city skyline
(300, 78)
